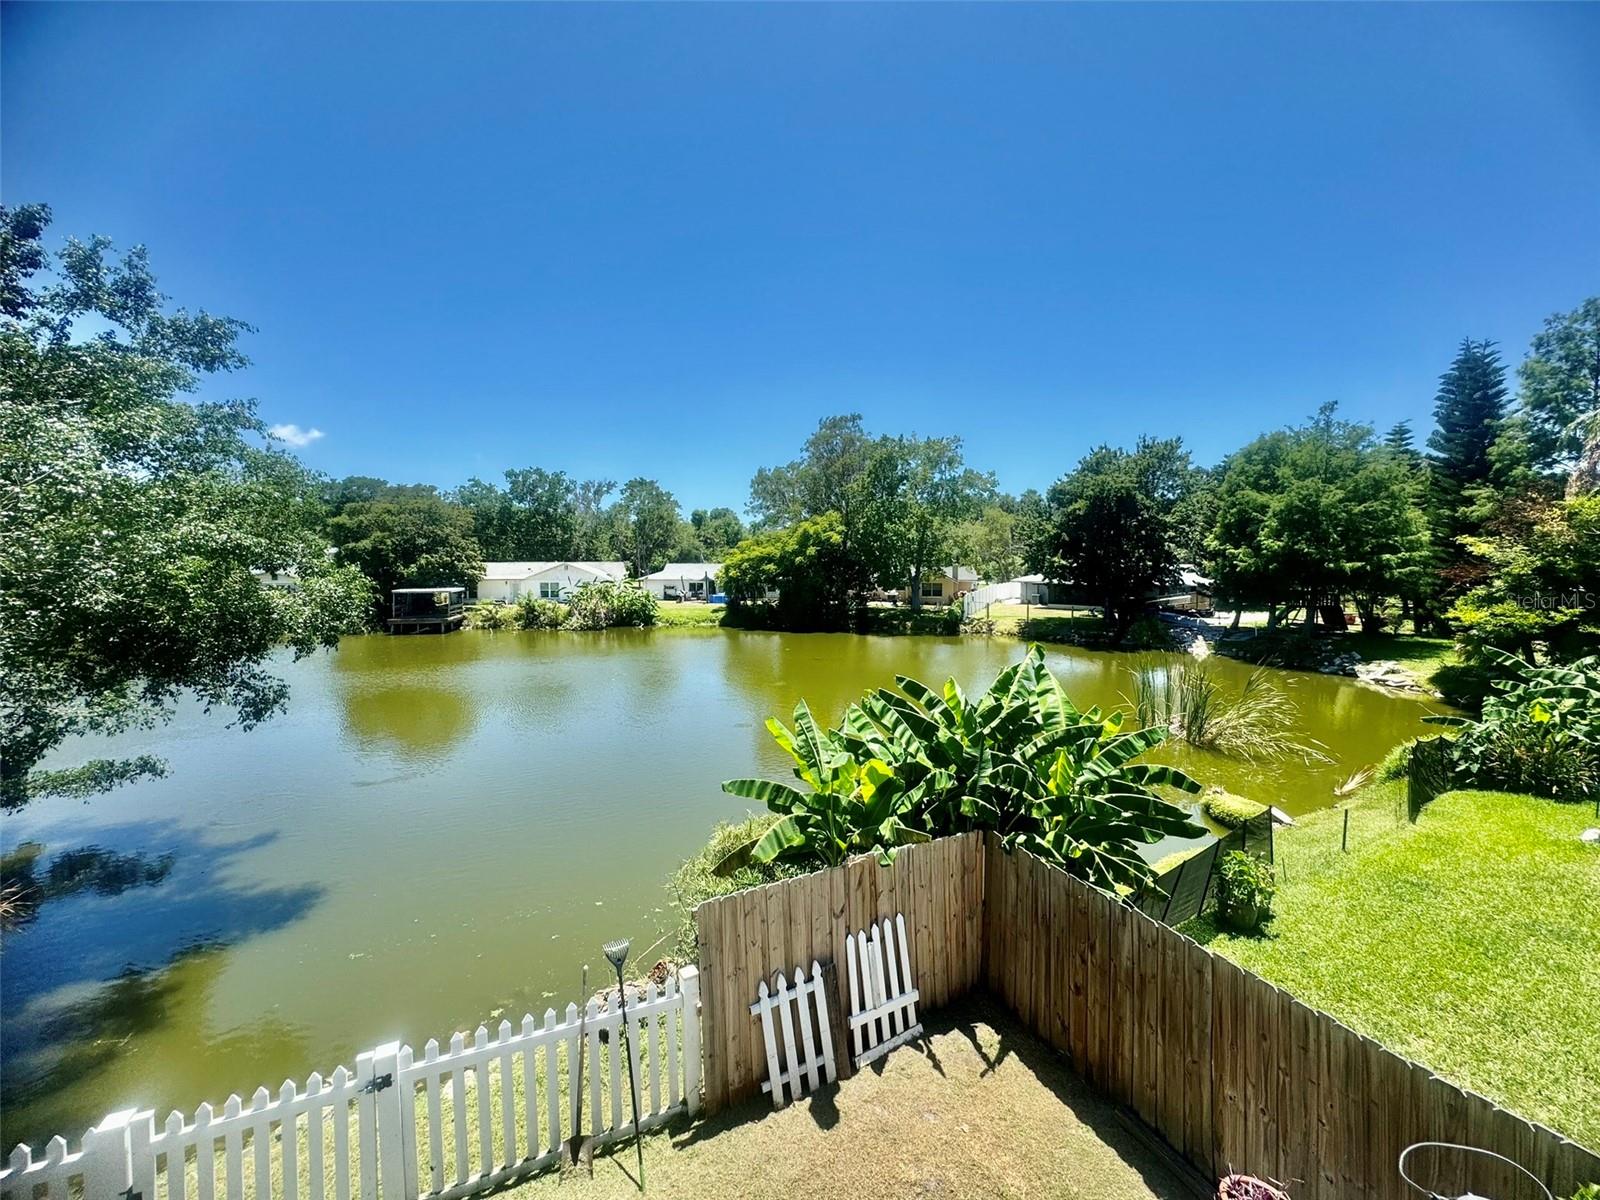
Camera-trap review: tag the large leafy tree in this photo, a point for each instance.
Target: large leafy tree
(924, 491)
(717, 531)
(407, 541)
(898, 499)
(991, 542)
(806, 565)
(646, 521)
(1109, 529)
(538, 515)
(134, 519)
(841, 470)
(827, 477)
(1537, 595)
(1310, 515)
(1559, 396)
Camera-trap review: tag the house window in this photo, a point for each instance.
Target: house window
(932, 590)
(549, 590)
(697, 587)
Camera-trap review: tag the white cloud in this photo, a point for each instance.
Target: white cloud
(294, 435)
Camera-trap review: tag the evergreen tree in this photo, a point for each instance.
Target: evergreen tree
(1470, 409)
(1402, 443)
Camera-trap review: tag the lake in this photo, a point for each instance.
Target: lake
(442, 829)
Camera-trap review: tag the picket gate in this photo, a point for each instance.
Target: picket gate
(883, 1003)
(382, 1132)
(802, 1005)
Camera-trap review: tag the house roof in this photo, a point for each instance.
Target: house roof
(522, 570)
(681, 570)
(1190, 578)
(426, 590)
(959, 574)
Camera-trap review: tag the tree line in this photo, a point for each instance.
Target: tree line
(1490, 532)
(137, 518)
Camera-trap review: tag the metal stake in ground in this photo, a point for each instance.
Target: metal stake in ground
(617, 954)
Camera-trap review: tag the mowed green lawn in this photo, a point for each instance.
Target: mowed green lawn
(1469, 942)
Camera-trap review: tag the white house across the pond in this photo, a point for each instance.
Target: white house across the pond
(510, 581)
(683, 581)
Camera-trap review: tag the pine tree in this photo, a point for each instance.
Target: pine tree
(1402, 443)
(1470, 409)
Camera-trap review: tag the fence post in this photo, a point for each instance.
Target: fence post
(387, 1126)
(141, 1161)
(105, 1157)
(366, 1127)
(689, 990)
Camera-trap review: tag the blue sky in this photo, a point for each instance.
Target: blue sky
(665, 240)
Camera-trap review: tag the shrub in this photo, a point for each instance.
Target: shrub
(1290, 647)
(490, 614)
(1245, 887)
(608, 605)
(696, 880)
(1228, 810)
(534, 613)
(1463, 685)
(1147, 633)
(1539, 732)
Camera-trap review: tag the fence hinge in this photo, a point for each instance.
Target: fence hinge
(377, 1083)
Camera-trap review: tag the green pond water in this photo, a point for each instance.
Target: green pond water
(444, 829)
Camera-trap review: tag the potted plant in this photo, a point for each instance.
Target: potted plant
(1245, 888)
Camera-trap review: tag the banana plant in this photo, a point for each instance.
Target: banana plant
(1020, 759)
(1098, 808)
(851, 805)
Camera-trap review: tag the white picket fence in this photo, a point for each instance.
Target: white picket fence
(384, 1132)
(883, 1002)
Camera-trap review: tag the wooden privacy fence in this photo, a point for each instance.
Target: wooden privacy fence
(384, 1131)
(1234, 1073)
(748, 937)
(1231, 1071)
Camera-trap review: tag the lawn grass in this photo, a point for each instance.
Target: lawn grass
(1469, 942)
(1421, 656)
(981, 1108)
(672, 615)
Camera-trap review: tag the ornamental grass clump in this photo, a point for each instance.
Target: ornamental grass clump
(1188, 698)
